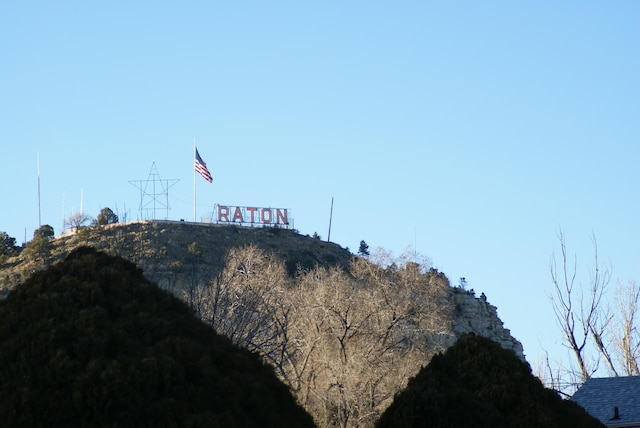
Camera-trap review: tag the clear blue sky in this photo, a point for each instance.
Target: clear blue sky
(471, 130)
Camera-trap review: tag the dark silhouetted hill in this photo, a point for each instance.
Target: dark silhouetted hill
(477, 383)
(90, 342)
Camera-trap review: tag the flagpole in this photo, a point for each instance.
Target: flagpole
(194, 179)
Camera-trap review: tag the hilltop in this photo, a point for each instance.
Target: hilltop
(168, 251)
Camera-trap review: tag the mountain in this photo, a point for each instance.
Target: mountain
(90, 342)
(478, 383)
(343, 333)
(172, 254)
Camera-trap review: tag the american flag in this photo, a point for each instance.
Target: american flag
(201, 168)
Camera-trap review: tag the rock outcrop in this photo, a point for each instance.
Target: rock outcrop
(476, 315)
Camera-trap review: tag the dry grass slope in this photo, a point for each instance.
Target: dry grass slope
(169, 252)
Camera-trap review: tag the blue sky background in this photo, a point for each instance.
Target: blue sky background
(472, 131)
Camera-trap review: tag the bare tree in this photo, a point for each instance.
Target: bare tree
(551, 374)
(344, 341)
(580, 312)
(625, 332)
(245, 301)
(77, 220)
(591, 330)
(362, 334)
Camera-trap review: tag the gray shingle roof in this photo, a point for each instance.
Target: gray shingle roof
(599, 396)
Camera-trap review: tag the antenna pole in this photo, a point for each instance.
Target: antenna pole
(39, 212)
(330, 218)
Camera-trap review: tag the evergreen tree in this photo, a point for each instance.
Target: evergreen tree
(91, 342)
(40, 246)
(364, 249)
(7, 244)
(106, 216)
(478, 383)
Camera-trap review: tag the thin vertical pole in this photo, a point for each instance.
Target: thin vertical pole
(39, 212)
(330, 218)
(194, 179)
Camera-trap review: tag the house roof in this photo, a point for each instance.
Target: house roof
(599, 396)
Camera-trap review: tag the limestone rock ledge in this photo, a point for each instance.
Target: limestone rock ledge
(475, 314)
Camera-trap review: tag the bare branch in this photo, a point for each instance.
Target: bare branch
(626, 332)
(575, 331)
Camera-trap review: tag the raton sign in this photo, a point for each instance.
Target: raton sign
(252, 215)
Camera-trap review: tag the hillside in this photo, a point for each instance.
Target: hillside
(177, 254)
(90, 342)
(169, 251)
(344, 334)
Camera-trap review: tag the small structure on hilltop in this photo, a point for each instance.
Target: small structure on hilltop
(251, 216)
(154, 194)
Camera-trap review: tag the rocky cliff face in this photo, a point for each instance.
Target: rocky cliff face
(475, 314)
